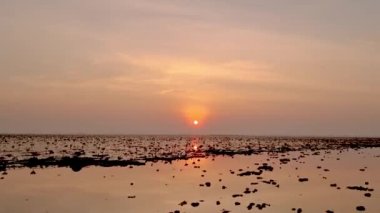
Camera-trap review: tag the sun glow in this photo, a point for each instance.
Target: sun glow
(195, 115)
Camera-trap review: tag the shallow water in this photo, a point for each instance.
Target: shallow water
(161, 186)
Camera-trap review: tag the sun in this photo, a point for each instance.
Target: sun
(195, 122)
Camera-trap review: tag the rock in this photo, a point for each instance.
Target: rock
(195, 204)
(303, 179)
(182, 203)
(367, 194)
(359, 188)
(360, 208)
(249, 173)
(247, 191)
(250, 206)
(261, 206)
(265, 167)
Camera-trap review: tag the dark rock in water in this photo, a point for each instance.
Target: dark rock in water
(367, 194)
(218, 202)
(265, 167)
(360, 208)
(359, 188)
(237, 203)
(208, 184)
(329, 211)
(225, 211)
(33, 172)
(195, 204)
(247, 191)
(333, 185)
(182, 203)
(284, 160)
(224, 187)
(303, 179)
(176, 211)
(261, 206)
(132, 196)
(3, 166)
(237, 195)
(250, 206)
(299, 210)
(77, 163)
(248, 173)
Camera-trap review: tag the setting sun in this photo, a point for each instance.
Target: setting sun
(195, 122)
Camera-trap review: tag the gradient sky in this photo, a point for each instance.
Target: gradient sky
(286, 67)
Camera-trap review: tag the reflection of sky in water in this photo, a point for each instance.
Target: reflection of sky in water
(160, 187)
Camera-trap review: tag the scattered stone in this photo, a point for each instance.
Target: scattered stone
(182, 203)
(303, 179)
(360, 208)
(250, 206)
(367, 194)
(359, 188)
(195, 204)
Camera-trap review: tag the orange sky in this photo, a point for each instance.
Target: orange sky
(151, 67)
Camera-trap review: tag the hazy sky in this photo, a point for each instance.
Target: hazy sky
(286, 67)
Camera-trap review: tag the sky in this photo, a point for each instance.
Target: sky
(286, 67)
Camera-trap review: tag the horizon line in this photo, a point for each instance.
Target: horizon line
(189, 135)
